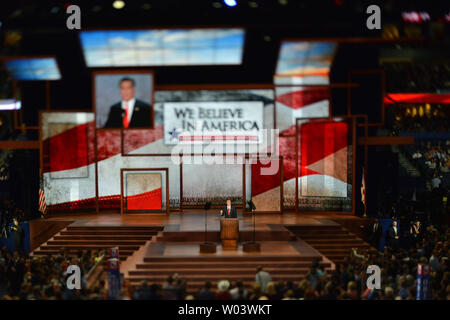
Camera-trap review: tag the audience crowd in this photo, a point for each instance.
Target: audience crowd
(416, 77)
(24, 277)
(346, 282)
(433, 160)
(8, 212)
(421, 119)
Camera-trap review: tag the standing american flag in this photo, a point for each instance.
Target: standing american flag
(363, 191)
(42, 205)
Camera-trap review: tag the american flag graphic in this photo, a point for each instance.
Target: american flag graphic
(42, 205)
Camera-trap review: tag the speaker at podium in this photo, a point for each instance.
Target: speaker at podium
(229, 233)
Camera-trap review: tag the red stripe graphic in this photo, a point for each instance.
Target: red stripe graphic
(264, 183)
(70, 149)
(301, 98)
(321, 139)
(313, 147)
(107, 202)
(393, 98)
(218, 138)
(74, 148)
(146, 201)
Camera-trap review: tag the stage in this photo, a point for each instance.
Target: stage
(193, 219)
(154, 246)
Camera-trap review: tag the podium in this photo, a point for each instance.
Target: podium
(229, 233)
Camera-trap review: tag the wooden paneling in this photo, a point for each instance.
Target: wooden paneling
(42, 230)
(382, 141)
(31, 144)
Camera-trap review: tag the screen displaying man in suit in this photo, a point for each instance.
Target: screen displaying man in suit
(394, 236)
(129, 112)
(228, 211)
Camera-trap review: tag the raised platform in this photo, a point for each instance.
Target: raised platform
(289, 244)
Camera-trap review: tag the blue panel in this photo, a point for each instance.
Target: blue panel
(33, 69)
(162, 47)
(304, 57)
(9, 242)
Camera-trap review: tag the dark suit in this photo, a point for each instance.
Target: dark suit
(140, 118)
(376, 234)
(233, 213)
(394, 243)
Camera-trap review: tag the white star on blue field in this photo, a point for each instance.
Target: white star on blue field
(174, 133)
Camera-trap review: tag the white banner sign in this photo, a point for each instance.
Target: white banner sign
(213, 122)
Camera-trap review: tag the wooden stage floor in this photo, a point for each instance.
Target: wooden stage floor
(193, 220)
(175, 248)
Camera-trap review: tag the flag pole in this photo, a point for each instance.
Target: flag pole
(363, 193)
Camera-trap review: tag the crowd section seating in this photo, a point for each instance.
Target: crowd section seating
(23, 277)
(432, 158)
(430, 154)
(416, 77)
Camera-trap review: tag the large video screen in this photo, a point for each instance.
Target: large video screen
(123, 99)
(167, 47)
(28, 69)
(319, 175)
(230, 121)
(304, 62)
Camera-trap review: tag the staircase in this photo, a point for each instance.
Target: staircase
(405, 163)
(78, 238)
(334, 242)
(197, 270)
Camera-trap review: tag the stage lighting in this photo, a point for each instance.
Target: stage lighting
(146, 6)
(10, 104)
(118, 4)
(230, 3)
(54, 10)
(96, 8)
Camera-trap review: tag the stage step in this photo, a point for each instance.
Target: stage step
(103, 243)
(118, 228)
(208, 277)
(231, 264)
(109, 232)
(97, 236)
(80, 238)
(334, 242)
(338, 245)
(70, 245)
(224, 272)
(322, 233)
(315, 227)
(200, 259)
(343, 240)
(328, 236)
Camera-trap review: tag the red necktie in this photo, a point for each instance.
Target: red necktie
(228, 211)
(125, 118)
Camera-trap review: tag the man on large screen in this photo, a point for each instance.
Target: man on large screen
(129, 112)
